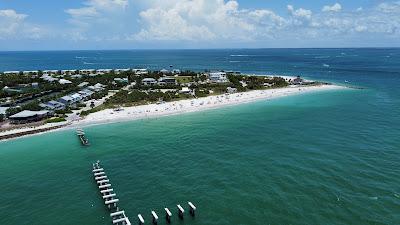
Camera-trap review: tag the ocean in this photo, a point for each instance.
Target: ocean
(328, 157)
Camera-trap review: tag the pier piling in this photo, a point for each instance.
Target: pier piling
(180, 211)
(141, 220)
(168, 215)
(192, 208)
(155, 217)
(118, 217)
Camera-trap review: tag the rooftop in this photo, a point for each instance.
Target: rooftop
(28, 113)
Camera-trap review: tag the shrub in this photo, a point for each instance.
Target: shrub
(56, 120)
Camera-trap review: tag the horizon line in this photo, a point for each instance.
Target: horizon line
(169, 49)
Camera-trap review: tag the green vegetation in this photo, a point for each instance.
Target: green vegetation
(55, 120)
(28, 96)
(184, 79)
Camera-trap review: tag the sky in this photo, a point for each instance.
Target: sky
(197, 24)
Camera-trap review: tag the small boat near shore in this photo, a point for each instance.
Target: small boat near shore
(82, 137)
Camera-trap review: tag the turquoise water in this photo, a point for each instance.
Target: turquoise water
(322, 158)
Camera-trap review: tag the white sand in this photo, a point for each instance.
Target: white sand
(177, 107)
(192, 105)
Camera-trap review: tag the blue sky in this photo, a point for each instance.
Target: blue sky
(136, 24)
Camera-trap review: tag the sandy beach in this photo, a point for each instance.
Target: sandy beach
(168, 108)
(193, 105)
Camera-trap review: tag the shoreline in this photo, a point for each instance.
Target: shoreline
(149, 111)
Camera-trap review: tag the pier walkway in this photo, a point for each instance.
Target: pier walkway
(110, 198)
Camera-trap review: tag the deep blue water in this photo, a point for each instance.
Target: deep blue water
(322, 158)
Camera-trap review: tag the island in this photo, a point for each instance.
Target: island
(37, 101)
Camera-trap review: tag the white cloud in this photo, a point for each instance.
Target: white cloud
(199, 20)
(14, 25)
(95, 14)
(334, 8)
(83, 12)
(299, 13)
(219, 20)
(389, 7)
(95, 9)
(204, 22)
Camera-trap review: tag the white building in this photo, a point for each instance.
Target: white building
(11, 72)
(121, 80)
(185, 90)
(68, 72)
(83, 84)
(164, 71)
(118, 71)
(50, 72)
(64, 81)
(104, 71)
(149, 81)
(140, 71)
(48, 78)
(218, 77)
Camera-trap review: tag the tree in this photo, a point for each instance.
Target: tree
(12, 111)
(1, 117)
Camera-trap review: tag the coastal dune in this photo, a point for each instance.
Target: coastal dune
(193, 105)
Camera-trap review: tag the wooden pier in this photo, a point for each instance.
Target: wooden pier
(111, 201)
(110, 198)
(82, 137)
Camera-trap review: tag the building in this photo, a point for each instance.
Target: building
(48, 78)
(119, 71)
(164, 71)
(68, 72)
(32, 72)
(75, 76)
(140, 71)
(176, 71)
(233, 73)
(28, 116)
(53, 105)
(104, 71)
(64, 81)
(11, 72)
(51, 72)
(218, 77)
(87, 72)
(185, 90)
(66, 100)
(167, 81)
(231, 90)
(121, 80)
(76, 97)
(97, 87)
(83, 84)
(149, 81)
(86, 93)
(297, 81)
(3, 111)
